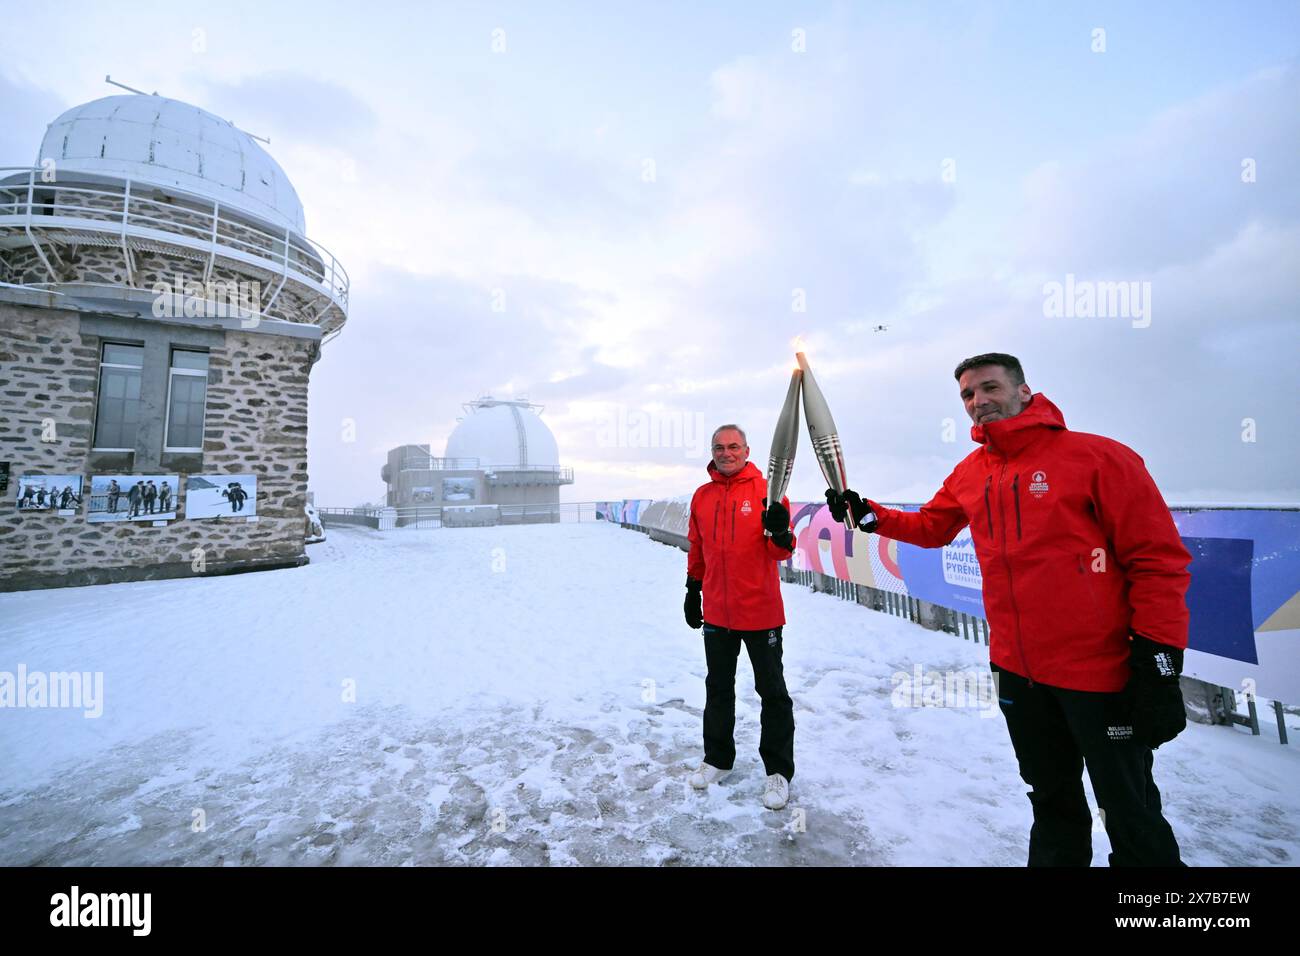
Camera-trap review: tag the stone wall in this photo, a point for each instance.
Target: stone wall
(255, 421)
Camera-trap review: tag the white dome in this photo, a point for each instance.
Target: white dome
(504, 435)
(169, 143)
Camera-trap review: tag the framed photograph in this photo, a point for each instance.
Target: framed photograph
(221, 496)
(460, 490)
(57, 493)
(132, 498)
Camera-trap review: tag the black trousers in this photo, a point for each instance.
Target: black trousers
(1055, 733)
(776, 743)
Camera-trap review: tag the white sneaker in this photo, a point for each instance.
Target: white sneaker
(777, 792)
(706, 774)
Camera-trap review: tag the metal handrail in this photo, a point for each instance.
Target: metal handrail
(534, 508)
(419, 461)
(564, 472)
(122, 213)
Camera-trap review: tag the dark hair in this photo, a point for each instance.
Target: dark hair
(1008, 362)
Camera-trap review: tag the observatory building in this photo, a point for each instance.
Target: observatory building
(501, 461)
(161, 308)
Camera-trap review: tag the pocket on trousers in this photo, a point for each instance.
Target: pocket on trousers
(1118, 713)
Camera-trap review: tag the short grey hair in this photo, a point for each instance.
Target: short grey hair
(729, 428)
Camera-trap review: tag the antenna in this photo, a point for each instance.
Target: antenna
(109, 79)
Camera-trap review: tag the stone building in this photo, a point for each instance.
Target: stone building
(161, 309)
(500, 455)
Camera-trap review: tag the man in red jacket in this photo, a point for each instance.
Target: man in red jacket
(1084, 582)
(734, 564)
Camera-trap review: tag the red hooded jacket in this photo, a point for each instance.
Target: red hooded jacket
(732, 556)
(1075, 544)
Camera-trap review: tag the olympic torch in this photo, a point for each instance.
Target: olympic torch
(825, 438)
(780, 463)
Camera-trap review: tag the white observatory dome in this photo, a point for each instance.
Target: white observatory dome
(169, 143)
(505, 435)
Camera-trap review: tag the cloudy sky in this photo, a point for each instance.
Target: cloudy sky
(628, 213)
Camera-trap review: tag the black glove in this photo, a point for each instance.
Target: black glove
(849, 502)
(1158, 712)
(776, 521)
(694, 610)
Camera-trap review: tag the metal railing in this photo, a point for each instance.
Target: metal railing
(431, 516)
(967, 626)
(194, 223)
(523, 475)
(420, 461)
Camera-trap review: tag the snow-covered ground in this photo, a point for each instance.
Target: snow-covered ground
(524, 695)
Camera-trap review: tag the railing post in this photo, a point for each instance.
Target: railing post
(126, 252)
(212, 244)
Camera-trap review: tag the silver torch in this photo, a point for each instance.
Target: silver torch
(825, 438)
(780, 464)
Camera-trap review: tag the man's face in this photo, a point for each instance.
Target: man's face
(729, 451)
(989, 395)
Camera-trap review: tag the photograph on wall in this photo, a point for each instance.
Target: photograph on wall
(221, 496)
(422, 494)
(48, 492)
(132, 498)
(459, 489)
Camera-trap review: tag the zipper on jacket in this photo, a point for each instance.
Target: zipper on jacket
(1015, 489)
(722, 551)
(1011, 590)
(988, 508)
(733, 522)
(717, 506)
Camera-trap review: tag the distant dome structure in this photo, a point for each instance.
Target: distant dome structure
(501, 466)
(167, 142)
(504, 436)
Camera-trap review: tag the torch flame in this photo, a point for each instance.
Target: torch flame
(799, 345)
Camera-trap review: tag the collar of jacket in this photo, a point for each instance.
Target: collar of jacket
(748, 473)
(1008, 436)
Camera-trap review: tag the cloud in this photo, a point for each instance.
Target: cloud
(294, 106)
(1173, 190)
(28, 110)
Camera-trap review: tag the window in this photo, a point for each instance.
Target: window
(187, 387)
(117, 410)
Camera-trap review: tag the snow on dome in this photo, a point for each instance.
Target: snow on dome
(169, 143)
(504, 434)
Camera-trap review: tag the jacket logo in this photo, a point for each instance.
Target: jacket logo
(1038, 484)
(745, 507)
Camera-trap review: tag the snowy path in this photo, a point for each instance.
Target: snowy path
(505, 714)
